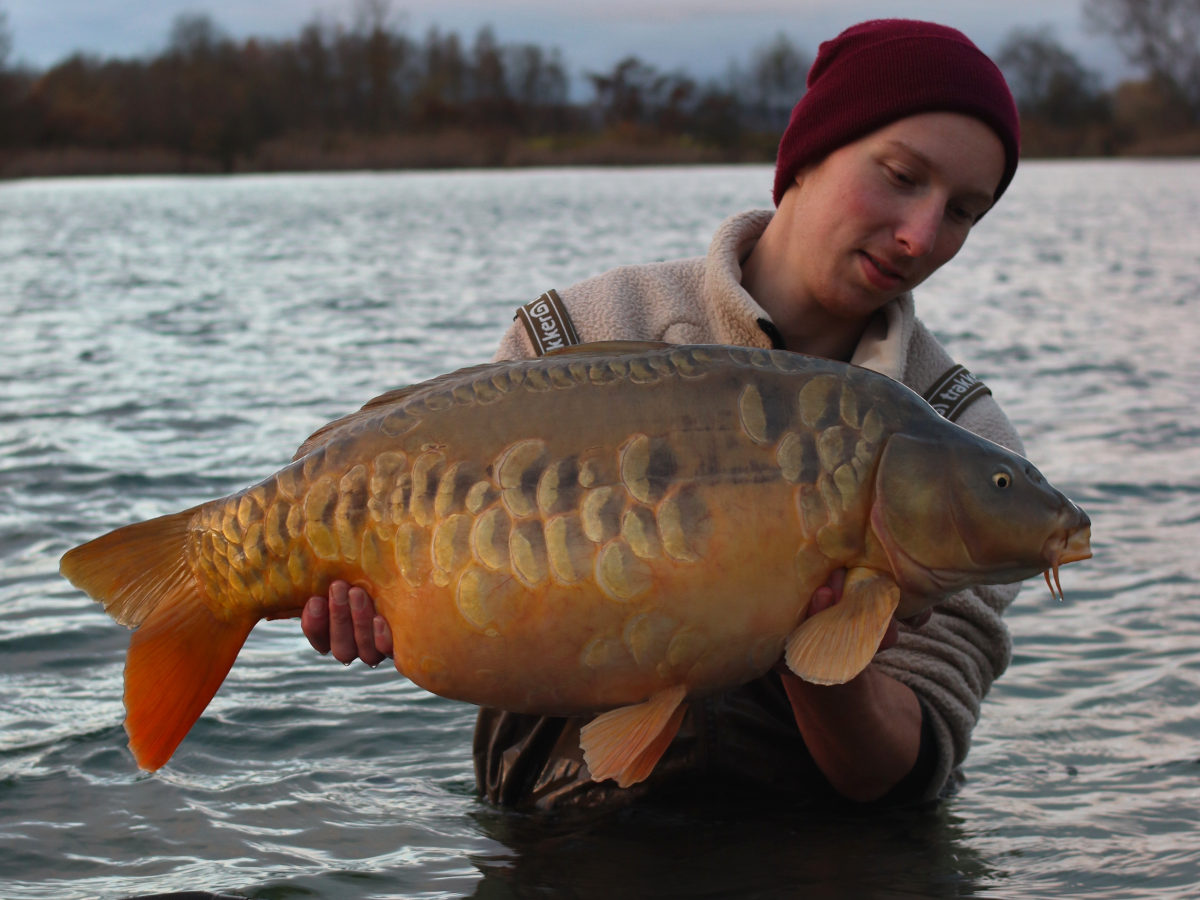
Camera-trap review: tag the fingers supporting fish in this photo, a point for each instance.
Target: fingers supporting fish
(314, 622)
(351, 626)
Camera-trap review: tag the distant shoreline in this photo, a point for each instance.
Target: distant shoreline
(446, 151)
(449, 150)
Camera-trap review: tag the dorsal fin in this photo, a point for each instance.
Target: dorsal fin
(326, 433)
(608, 348)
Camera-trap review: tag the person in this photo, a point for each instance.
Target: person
(906, 136)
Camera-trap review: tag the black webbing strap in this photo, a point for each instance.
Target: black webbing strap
(547, 323)
(954, 391)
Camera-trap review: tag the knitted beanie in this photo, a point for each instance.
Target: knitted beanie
(876, 72)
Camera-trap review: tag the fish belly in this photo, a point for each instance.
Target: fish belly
(629, 623)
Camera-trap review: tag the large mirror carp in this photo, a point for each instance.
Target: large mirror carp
(605, 531)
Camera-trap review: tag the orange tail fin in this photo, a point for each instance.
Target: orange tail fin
(180, 652)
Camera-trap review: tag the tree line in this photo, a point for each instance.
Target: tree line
(367, 94)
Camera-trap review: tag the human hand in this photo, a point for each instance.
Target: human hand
(863, 733)
(346, 624)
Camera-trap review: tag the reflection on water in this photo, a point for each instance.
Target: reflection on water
(171, 340)
(697, 847)
(732, 847)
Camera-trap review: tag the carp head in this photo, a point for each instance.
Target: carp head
(960, 510)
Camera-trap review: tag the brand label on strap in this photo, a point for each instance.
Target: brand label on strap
(547, 323)
(954, 392)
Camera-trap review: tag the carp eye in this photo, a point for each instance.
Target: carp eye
(1002, 480)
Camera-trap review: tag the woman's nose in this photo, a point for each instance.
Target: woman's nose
(917, 230)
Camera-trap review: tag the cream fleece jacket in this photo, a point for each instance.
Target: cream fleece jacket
(952, 660)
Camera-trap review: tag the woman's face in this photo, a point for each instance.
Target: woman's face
(878, 216)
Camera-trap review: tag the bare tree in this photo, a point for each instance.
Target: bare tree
(383, 59)
(536, 78)
(311, 71)
(5, 40)
(777, 74)
(1160, 36)
(194, 36)
(441, 87)
(1048, 80)
(629, 92)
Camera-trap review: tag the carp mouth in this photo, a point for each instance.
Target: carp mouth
(1070, 545)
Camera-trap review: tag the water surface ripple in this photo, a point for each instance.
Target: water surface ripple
(170, 340)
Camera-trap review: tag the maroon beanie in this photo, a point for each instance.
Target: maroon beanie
(876, 72)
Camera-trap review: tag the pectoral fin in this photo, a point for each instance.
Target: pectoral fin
(837, 643)
(626, 743)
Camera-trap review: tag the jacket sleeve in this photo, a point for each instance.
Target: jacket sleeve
(515, 344)
(952, 660)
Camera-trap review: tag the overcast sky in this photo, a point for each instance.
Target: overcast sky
(699, 36)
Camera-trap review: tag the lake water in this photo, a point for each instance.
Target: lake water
(171, 340)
